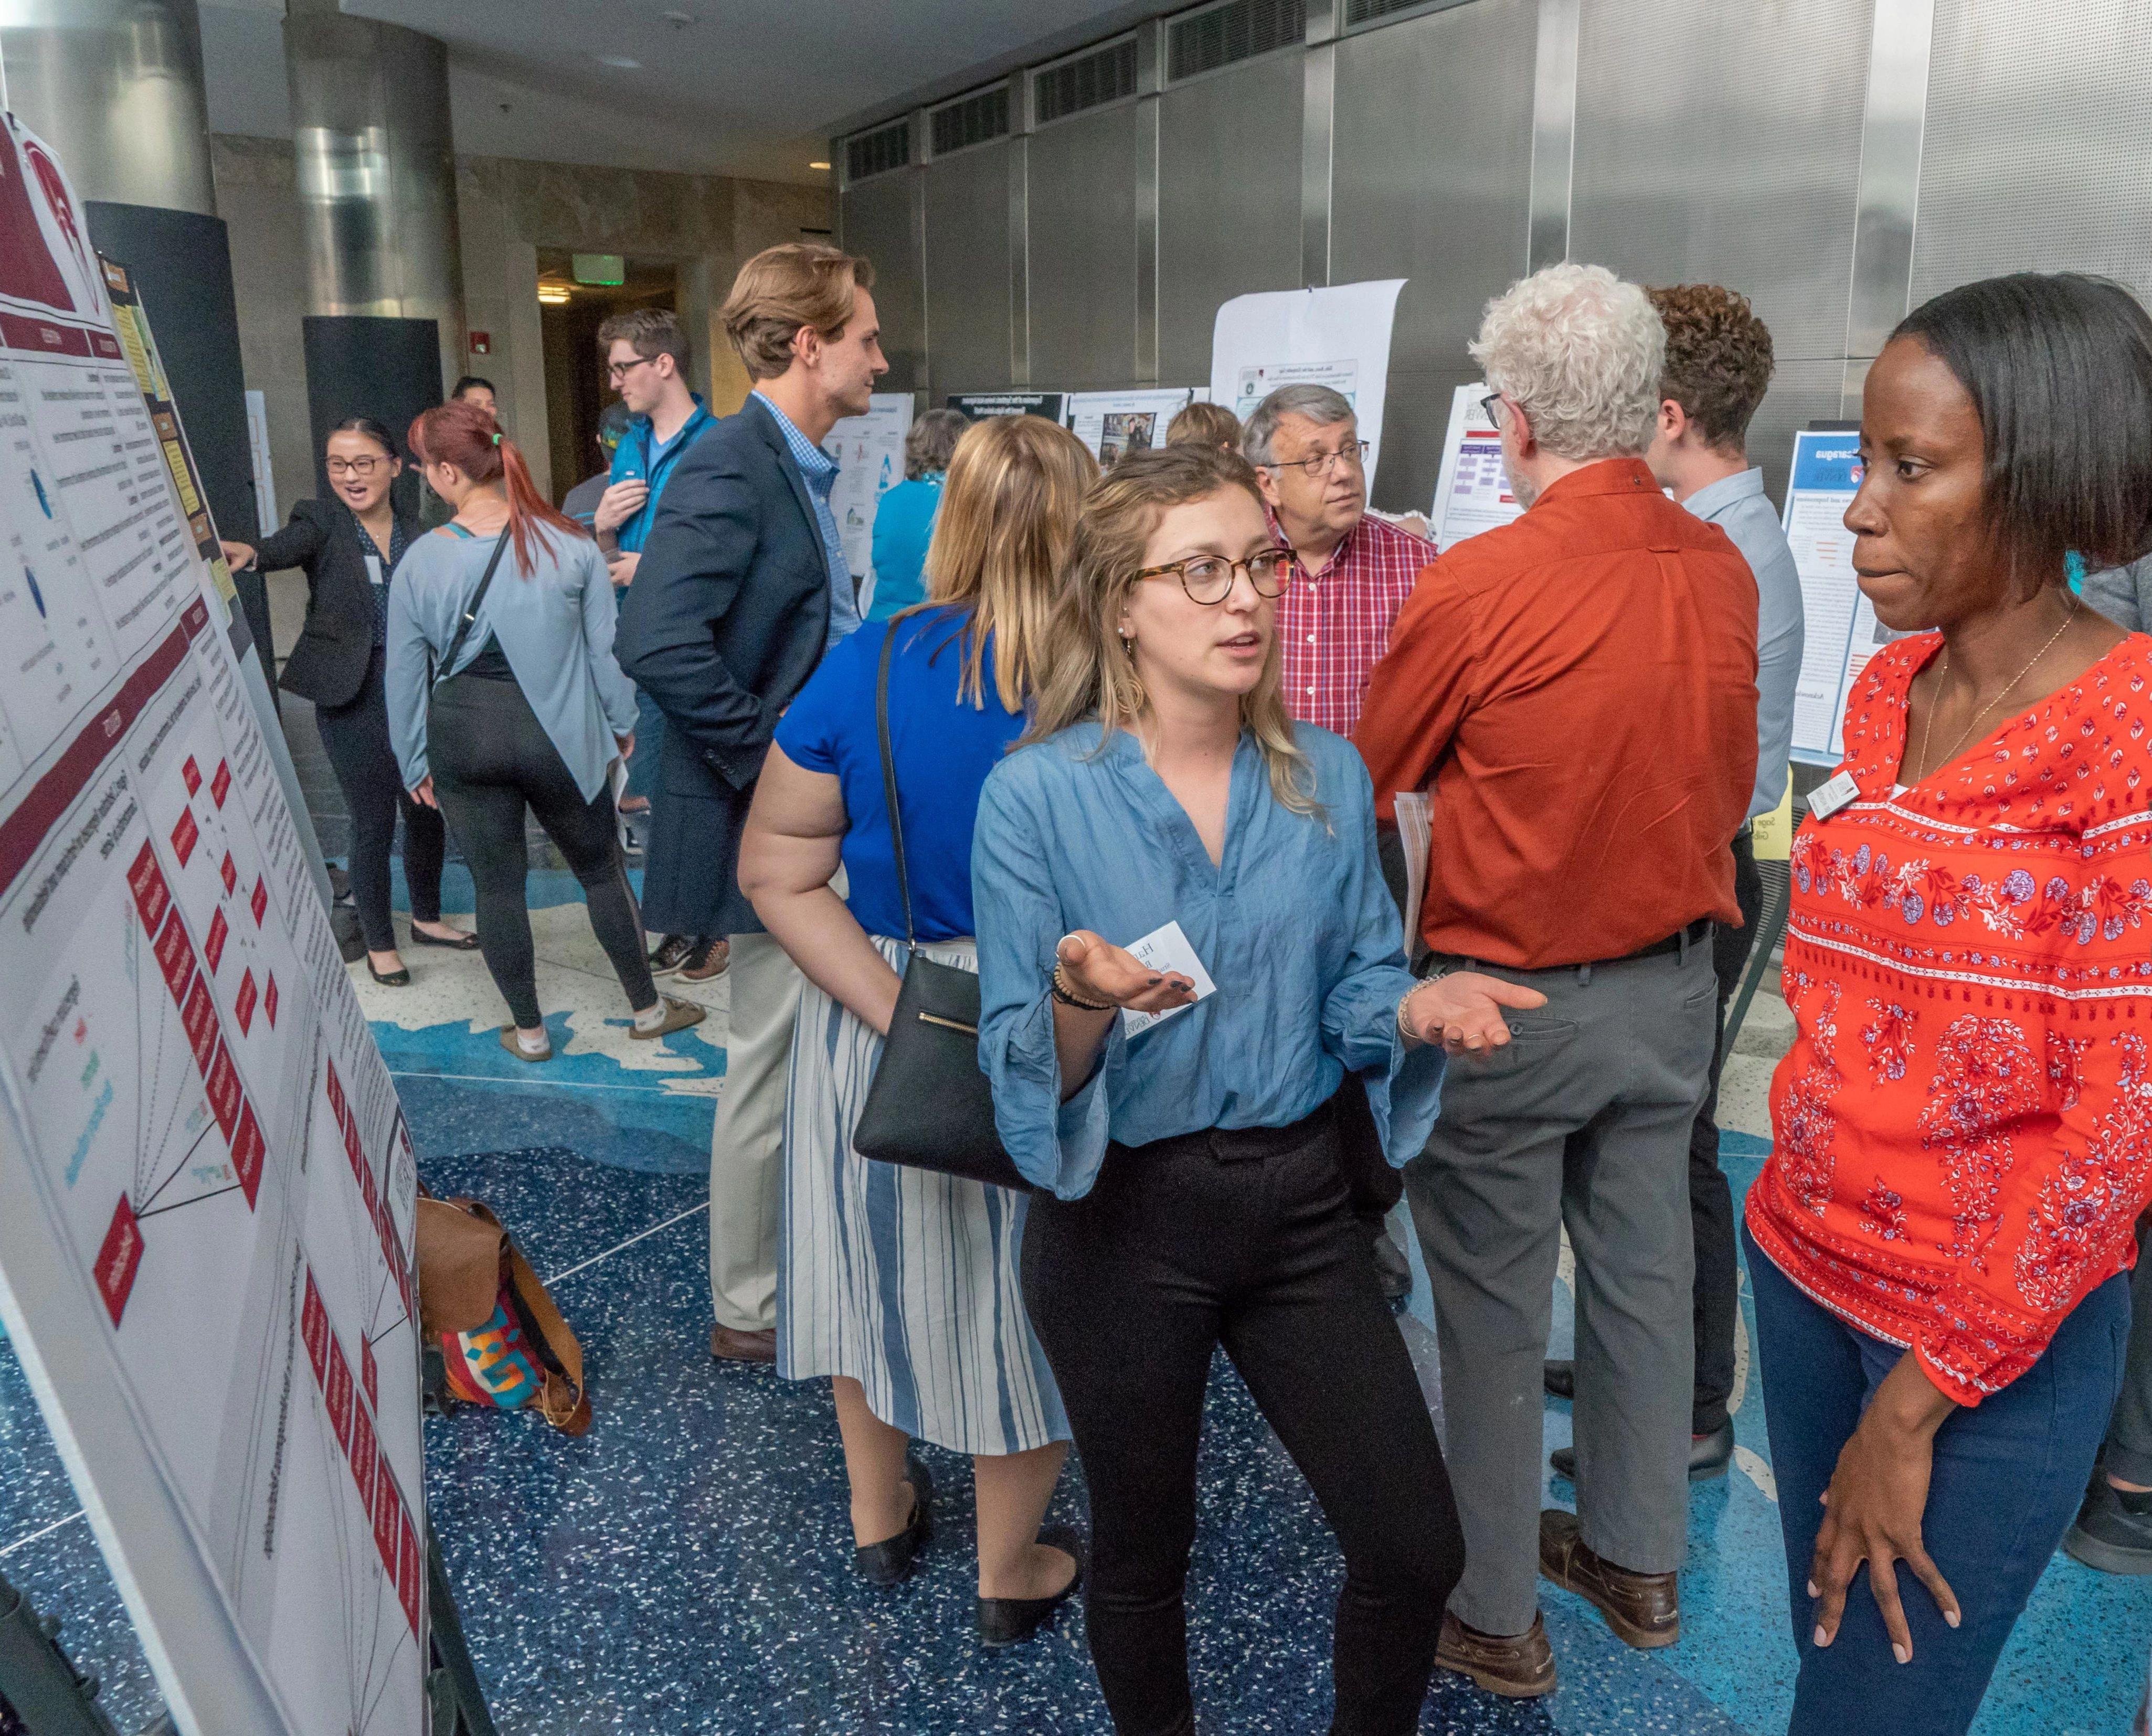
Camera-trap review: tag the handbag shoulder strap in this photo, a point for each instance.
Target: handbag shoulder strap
(889, 780)
(447, 662)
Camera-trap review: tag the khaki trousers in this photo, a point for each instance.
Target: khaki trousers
(746, 1145)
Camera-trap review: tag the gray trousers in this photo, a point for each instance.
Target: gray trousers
(1581, 1120)
(747, 1143)
(2129, 1451)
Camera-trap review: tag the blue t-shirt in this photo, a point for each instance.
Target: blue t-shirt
(903, 526)
(942, 747)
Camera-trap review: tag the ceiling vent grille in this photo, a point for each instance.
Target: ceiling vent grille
(878, 152)
(1366, 12)
(970, 120)
(1202, 42)
(1089, 81)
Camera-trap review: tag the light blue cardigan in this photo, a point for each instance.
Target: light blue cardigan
(554, 625)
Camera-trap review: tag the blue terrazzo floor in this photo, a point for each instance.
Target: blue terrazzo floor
(685, 1566)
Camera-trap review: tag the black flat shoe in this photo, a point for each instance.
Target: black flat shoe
(1559, 1378)
(390, 978)
(1008, 1621)
(890, 1562)
(461, 943)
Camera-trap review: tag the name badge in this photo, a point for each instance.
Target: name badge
(1827, 798)
(373, 569)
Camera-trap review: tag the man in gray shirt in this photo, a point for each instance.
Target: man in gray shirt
(2124, 594)
(1719, 366)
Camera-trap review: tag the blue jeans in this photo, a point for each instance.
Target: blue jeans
(649, 747)
(2009, 1474)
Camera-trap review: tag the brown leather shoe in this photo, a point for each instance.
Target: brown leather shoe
(1520, 1668)
(730, 1346)
(1643, 1609)
(708, 963)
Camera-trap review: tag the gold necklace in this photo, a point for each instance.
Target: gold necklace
(1943, 675)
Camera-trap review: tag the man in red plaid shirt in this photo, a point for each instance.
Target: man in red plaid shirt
(1352, 573)
(1352, 570)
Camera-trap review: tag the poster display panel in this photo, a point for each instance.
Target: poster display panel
(1337, 336)
(1113, 423)
(870, 453)
(1052, 405)
(1472, 492)
(1841, 632)
(206, 1189)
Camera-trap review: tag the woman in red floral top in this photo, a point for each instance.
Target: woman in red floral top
(1963, 1126)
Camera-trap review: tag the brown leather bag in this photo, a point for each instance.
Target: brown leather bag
(478, 1298)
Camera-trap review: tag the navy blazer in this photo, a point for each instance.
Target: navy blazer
(328, 664)
(726, 618)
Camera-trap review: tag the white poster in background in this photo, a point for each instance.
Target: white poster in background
(1472, 494)
(205, 1188)
(1112, 424)
(265, 476)
(1338, 337)
(1841, 632)
(870, 453)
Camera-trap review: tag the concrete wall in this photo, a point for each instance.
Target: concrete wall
(507, 209)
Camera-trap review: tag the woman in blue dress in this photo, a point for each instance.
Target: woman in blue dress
(904, 517)
(899, 1284)
(1185, 942)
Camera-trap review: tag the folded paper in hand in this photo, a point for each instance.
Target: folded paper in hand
(1165, 949)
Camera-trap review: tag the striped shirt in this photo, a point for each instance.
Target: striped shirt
(1335, 623)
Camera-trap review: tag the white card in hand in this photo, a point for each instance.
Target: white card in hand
(1166, 948)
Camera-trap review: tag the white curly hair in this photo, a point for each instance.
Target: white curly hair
(1582, 352)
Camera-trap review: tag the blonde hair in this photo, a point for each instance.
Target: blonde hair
(1582, 352)
(783, 290)
(1001, 533)
(1090, 672)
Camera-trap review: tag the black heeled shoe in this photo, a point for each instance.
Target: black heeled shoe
(389, 979)
(1008, 1621)
(889, 1562)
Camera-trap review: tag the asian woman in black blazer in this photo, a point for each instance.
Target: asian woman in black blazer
(348, 546)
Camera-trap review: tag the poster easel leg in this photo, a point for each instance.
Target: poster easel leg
(41, 1692)
(457, 1702)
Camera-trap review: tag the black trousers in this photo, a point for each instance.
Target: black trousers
(356, 738)
(490, 758)
(1710, 1200)
(1246, 1239)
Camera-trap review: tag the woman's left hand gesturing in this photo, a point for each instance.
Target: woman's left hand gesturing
(1877, 1498)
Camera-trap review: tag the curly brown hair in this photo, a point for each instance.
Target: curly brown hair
(1718, 358)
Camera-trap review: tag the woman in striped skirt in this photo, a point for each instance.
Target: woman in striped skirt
(900, 1283)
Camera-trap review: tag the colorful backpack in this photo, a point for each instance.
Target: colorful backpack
(503, 1341)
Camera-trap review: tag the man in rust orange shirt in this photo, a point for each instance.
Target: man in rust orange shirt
(1577, 690)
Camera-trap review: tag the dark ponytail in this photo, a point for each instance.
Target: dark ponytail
(463, 435)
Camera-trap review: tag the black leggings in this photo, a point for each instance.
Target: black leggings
(356, 738)
(490, 756)
(1246, 1239)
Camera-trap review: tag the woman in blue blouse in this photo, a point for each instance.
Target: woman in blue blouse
(900, 1284)
(904, 517)
(1194, 1167)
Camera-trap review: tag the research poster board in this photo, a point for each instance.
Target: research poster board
(1114, 423)
(974, 405)
(206, 1189)
(1337, 336)
(1472, 492)
(1841, 632)
(870, 453)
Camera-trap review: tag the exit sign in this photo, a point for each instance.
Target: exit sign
(598, 268)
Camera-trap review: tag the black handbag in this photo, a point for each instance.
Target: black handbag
(929, 1105)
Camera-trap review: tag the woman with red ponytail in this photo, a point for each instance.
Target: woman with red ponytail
(503, 695)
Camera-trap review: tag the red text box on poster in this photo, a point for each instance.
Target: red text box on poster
(119, 1259)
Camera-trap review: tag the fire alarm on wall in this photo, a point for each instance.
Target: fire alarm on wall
(481, 343)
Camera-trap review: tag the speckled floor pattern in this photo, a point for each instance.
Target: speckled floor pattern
(685, 1567)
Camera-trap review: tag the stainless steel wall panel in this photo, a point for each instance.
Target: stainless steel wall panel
(966, 259)
(1891, 141)
(1432, 182)
(1082, 229)
(1801, 393)
(2038, 138)
(877, 219)
(1554, 132)
(1229, 188)
(1722, 144)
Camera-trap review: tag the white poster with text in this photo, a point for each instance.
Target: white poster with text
(1338, 336)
